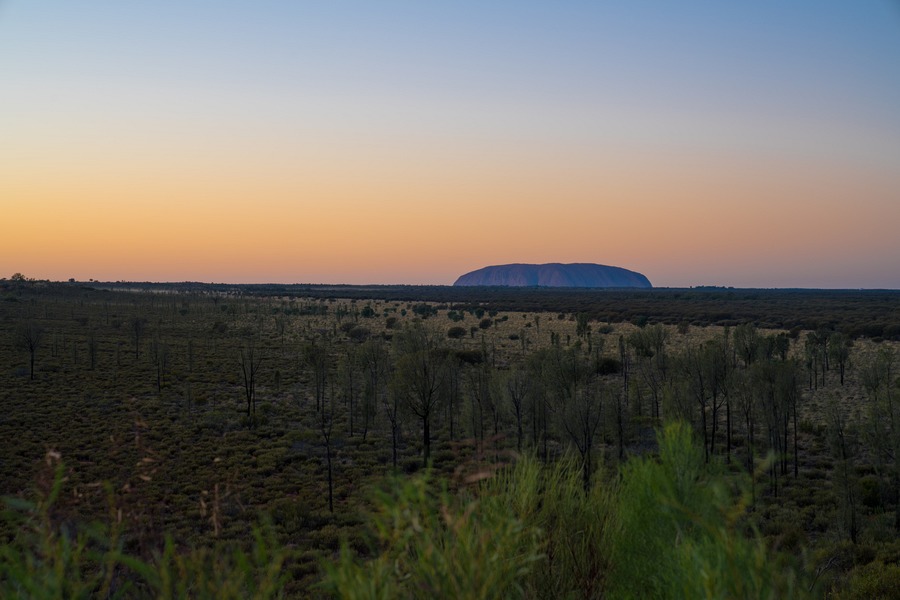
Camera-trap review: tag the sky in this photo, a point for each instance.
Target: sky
(746, 144)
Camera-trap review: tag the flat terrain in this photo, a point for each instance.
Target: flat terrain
(144, 395)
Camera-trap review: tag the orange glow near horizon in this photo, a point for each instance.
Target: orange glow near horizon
(163, 222)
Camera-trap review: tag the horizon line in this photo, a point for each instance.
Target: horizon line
(709, 287)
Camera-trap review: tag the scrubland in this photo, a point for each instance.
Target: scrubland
(223, 444)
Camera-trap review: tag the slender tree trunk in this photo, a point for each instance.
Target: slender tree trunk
(784, 459)
(620, 428)
(796, 450)
(727, 429)
(330, 475)
(394, 444)
(426, 439)
(450, 410)
(544, 432)
(519, 430)
(586, 467)
(705, 434)
(365, 430)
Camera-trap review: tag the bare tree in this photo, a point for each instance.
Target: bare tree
(692, 365)
(92, 349)
(581, 418)
(392, 410)
(651, 361)
(350, 381)
(326, 426)
(138, 325)
(839, 350)
(280, 327)
(316, 356)
(582, 325)
(479, 385)
(374, 359)
(517, 387)
(29, 336)
(251, 359)
(746, 343)
(419, 377)
(454, 393)
(160, 353)
(745, 402)
(562, 373)
(843, 448)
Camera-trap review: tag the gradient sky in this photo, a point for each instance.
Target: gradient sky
(751, 144)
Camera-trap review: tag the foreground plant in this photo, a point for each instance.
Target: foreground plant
(670, 528)
(433, 544)
(48, 557)
(678, 533)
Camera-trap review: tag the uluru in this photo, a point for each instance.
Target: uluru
(575, 275)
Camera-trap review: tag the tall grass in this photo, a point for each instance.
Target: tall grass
(49, 557)
(552, 500)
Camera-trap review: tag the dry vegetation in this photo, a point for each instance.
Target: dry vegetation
(144, 398)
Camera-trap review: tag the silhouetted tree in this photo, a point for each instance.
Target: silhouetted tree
(375, 364)
(419, 375)
(582, 325)
(92, 349)
(351, 382)
(160, 354)
(138, 325)
(251, 359)
(326, 426)
(839, 349)
(316, 357)
(843, 448)
(746, 343)
(29, 336)
(581, 419)
(517, 387)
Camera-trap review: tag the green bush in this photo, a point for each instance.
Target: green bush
(874, 581)
(430, 543)
(551, 499)
(670, 529)
(870, 490)
(678, 533)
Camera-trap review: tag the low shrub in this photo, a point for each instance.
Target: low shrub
(872, 581)
(457, 332)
